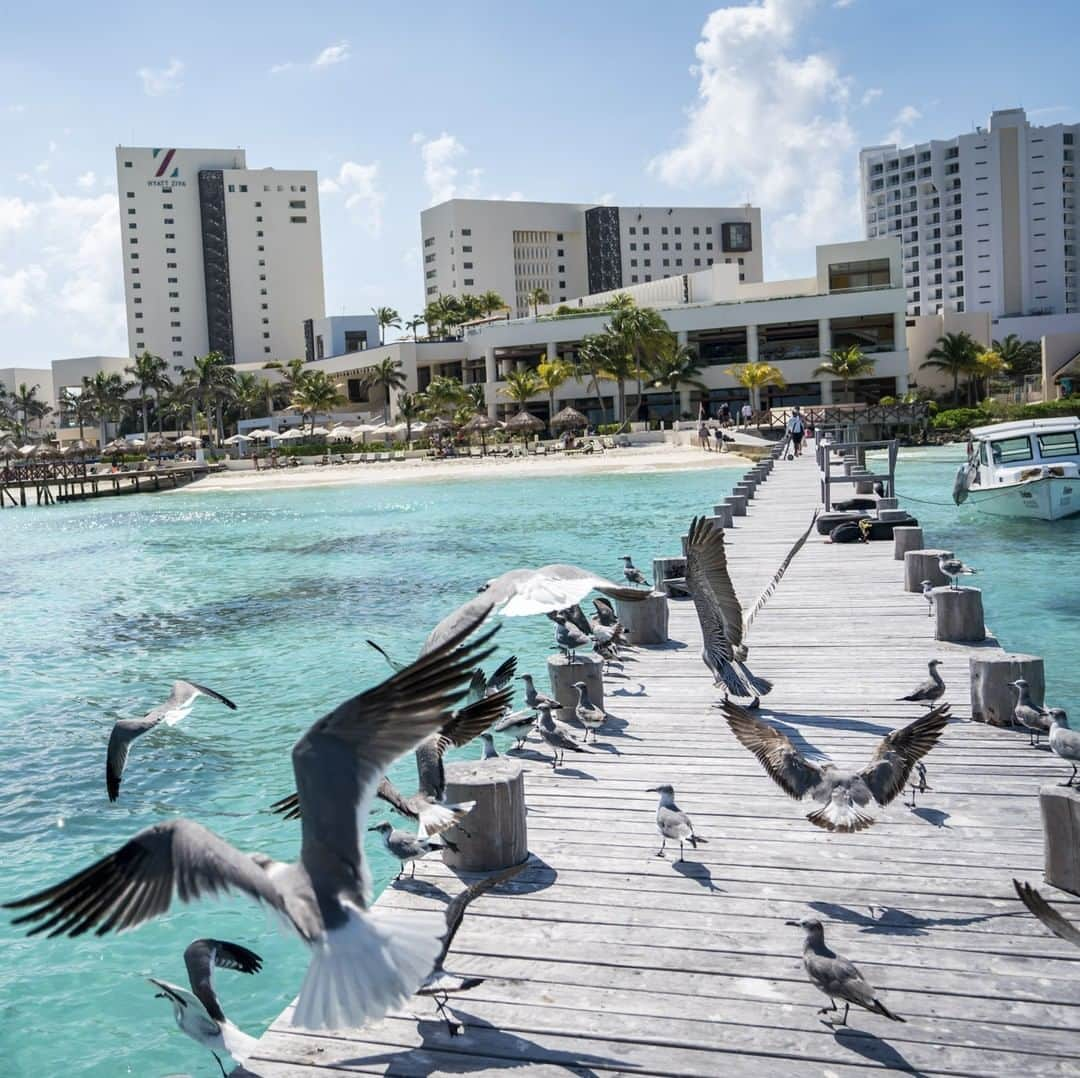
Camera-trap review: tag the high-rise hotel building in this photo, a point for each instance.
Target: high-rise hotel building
(217, 256)
(987, 220)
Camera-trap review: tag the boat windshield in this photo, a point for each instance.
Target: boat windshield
(1059, 443)
(1011, 450)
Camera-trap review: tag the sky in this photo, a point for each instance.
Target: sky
(401, 105)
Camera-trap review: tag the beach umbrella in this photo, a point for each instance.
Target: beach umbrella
(236, 439)
(28, 450)
(320, 430)
(293, 435)
(361, 431)
(569, 417)
(440, 425)
(524, 424)
(480, 424)
(341, 433)
(189, 439)
(261, 435)
(116, 446)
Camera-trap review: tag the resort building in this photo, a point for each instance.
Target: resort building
(472, 246)
(13, 377)
(855, 297)
(217, 256)
(987, 220)
(338, 335)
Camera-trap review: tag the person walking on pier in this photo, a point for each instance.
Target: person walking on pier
(796, 428)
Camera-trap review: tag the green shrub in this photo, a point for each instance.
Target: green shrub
(609, 428)
(961, 418)
(887, 400)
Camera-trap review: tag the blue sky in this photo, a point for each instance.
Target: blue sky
(399, 104)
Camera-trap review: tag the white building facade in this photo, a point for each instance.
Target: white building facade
(987, 220)
(217, 256)
(471, 246)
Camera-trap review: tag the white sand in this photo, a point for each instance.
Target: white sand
(646, 458)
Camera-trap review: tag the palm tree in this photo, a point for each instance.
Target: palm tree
(491, 301)
(249, 392)
(78, 406)
(675, 365)
(537, 296)
(989, 364)
(147, 372)
(845, 365)
(520, 386)
(386, 316)
(291, 370)
(316, 393)
(214, 379)
(443, 395)
(472, 307)
(177, 403)
(550, 375)
(641, 330)
(388, 375)
(24, 400)
(621, 301)
(108, 391)
(414, 323)
(410, 407)
(1020, 357)
(753, 377)
(590, 360)
(474, 395)
(617, 365)
(443, 312)
(954, 353)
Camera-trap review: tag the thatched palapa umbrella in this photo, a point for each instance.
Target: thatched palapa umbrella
(525, 423)
(570, 417)
(480, 424)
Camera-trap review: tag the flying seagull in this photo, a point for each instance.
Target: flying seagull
(198, 1013)
(930, 691)
(954, 567)
(440, 984)
(836, 976)
(558, 736)
(1047, 914)
(1034, 718)
(407, 848)
(124, 731)
(363, 961)
(1064, 742)
(843, 794)
(671, 822)
(633, 574)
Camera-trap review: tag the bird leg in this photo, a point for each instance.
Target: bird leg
(401, 869)
(914, 788)
(220, 1066)
(452, 1027)
(663, 846)
(829, 1010)
(679, 862)
(1071, 777)
(847, 1007)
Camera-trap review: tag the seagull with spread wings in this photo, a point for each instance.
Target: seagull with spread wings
(843, 794)
(363, 961)
(178, 706)
(198, 1013)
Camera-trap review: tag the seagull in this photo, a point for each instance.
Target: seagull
(407, 848)
(930, 691)
(843, 794)
(518, 724)
(1029, 714)
(1046, 913)
(928, 595)
(558, 736)
(954, 567)
(568, 638)
(124, 731)
(363, 961)
(439, 984)
(587, 713)
(672, 822)
(920, 787)
(836, 976)
(576, 617)
(537, 700)
(719, 613)
(1064, 742)
(488, 752)
(631, 572)
(605, 613)
(198, 1013)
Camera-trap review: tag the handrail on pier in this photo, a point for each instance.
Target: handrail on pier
(852, 452)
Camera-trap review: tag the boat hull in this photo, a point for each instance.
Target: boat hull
(1049, 498)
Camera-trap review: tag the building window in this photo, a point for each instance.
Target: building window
(167, 206)
(297, 204)
(562, 284)
(232, 188)
(127, 164)
(466, 231)
(633, 231)
(130, 194)
(136, 285)
(138, 314)
(137, 300)
(663, 230)
(131, 209)
(858, 276)
(266, 336)
(558, 237)
(645, 230)
(296, 221)
(466, 250)
(468, 282)
(559, 253)
(633, 247)
(664, 245)
(170, 250)
(174, 310)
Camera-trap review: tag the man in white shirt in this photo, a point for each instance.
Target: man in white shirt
(747, 414)
(796, 428)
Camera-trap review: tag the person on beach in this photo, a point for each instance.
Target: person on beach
(747, 414)
(703, 437)
(725, 413)
(796, 428)
(719, 436)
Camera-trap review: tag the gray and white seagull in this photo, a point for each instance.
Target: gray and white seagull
(557, 736)
(363, 961)
(632, 573)
(930, 691)
(1032, 716)
(953, 568)
(672, 822)
(178, 706)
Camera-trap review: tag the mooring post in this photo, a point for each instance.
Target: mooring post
(562, 673)
(959, 615)
(645, 621)
(920, 565)
(494, 835)
(993, 698)
(908, 537)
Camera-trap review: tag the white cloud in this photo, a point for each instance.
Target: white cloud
(15, 214)
(19, 291)
(606, 199)
(359, 185)
(843, 3)
(16, 108)
(870, 96)
(161, 80)
(441, 157)
(770, 124)
(904, 119)
(337, 53)
(86, 180)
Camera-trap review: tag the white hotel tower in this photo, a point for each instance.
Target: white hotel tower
(987, 220)
(217, 256)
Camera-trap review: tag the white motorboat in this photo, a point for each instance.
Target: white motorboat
(1028, 468)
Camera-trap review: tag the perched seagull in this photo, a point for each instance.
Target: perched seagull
(928, 595)
(1047, 914)
(568, 638)
(124, 731)
(719, 613)
(558, 737)
(198, 1013)
(587, 713)
(440, 985)
(537, 700)
(1064, 742)
(672, 822)
(605, 613)
(576, 616)
(631, 572)
(920, 787)
(363, 961)
(843, 794)
(954, 567)
(930, 691)
(408, 849)
(1032, 716)
(488, 752)
(518, 724)
(836, 976)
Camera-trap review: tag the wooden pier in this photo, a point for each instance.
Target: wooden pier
(602, 958)
(53, 482)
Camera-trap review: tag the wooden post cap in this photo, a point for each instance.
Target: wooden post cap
(959, 613)
(1060, 808)
(920, 565)
(992, 697)
(905, 538)
(562, 674)
(646, 622)
(495, 834)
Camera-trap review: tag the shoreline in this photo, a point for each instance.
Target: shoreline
(614, 461)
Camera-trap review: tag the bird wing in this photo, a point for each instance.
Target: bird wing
(187, 1002)
(576, 617)
(898, 752)
(557, 586)
(455, 909)
(710, 587)
(503, 675)
(763, 598)
(123, 733)
(339, 761)
(200, 958)
(136, 882)
(1046, 913)
(604, 611)
(515, 718)
(388, 792)
(392, 663)
(477, 684)
(465, 615)
(787, 767)
(183, 692)
(289, 807)
(473, 719)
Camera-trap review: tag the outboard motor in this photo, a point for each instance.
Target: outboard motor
(960, 483)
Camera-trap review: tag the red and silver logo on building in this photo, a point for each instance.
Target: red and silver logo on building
(163, 164)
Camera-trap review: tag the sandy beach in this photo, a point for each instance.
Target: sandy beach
(627, 461)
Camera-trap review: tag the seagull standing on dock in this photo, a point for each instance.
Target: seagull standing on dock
(587, 713)
(1064, 742)
(558, 737)
(672, 822)
(407, 848)
(568, 638)
(918, 786)
(605, 613)
(633, 574)
(931, 690)
(836, 976)
(364, 961)
(953, 568)
(198, 1013)
(518, 724)
(928, 595)
(537, 700)
(125, 731)
(1034, 718)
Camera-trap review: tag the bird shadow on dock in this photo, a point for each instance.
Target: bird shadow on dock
(669, 645)
(699, 873)
(896, 922)
(937, 817)
(789, 723)
(872, 1048)
(417, 886)
(641, 691)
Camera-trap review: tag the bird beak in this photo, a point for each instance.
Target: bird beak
(653, 790)
(373, 829)
(794, 924)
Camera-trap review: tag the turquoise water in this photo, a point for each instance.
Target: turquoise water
(267, 598)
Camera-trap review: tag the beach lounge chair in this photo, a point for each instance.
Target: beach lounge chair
(399, 456)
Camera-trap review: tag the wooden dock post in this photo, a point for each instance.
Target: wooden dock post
(495, 834)
(562, 674)
(920, 565)
(886, 515)
(906, 538)
(888, 503)
(646, 621)
(664, 569)
(959, 613)
(724, 515)
(992, 675)
(1060, 807)
(737, 503)
(746, 490)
